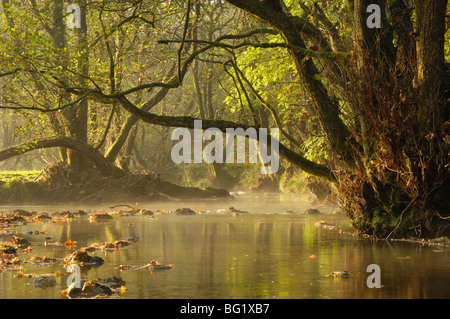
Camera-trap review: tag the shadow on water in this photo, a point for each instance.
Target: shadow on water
(264, 254)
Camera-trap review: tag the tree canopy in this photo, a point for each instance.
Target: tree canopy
(364, 108)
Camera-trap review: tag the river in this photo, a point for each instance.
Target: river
(264, 254)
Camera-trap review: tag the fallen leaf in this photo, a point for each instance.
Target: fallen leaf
(70, 243)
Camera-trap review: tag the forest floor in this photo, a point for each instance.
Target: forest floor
(57, 184)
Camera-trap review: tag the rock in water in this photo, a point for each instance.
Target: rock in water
(8, 250)
(102, 216)
(81, 256)
(233, 210)
(43, 282)
(92, 289)
(184, 211)
(73, 291)
(145, 212)
(312, 211)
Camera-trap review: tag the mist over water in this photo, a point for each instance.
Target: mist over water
(264, 254)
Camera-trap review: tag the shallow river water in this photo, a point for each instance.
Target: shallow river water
(264, 254)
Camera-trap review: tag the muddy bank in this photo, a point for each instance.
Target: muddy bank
(57, 184)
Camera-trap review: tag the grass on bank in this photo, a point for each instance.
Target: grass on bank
(13, 185)
(7, 176)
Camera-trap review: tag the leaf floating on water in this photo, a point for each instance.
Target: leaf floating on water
(70, 244)
(339, 274)
(124, 267)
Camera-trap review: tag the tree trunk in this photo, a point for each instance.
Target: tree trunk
(396, 168)
(77, 115)
(430, 62)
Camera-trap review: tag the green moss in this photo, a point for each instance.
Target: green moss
(384, 223)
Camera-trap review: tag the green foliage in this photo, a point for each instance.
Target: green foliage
(244, 173)
(447, 45)
(7, 176)
(292, 184)
(14, 190)
(384, 223)
(193, 175)
(315, 148)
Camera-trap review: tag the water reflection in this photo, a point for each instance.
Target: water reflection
(249, 256)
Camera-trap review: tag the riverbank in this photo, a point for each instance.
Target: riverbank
(58, 185)
(439, 241)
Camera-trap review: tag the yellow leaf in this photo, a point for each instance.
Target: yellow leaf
(70, 243)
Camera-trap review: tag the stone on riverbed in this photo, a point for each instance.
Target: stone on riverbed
(184, 211)
(100, 216)
(312, 211)
(81, 256)
(235, 211)
(145, 212)
(8, 250)
(92, 289)
(21, 242)
(73, 291)
(43, 282)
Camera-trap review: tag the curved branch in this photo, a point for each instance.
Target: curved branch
(108, 126)
(88, 151)
(188, 122)
(268, 107)
(338, 134)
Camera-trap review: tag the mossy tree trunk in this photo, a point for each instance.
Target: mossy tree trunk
(393, 170)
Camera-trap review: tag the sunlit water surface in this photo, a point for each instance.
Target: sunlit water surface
(264, 254)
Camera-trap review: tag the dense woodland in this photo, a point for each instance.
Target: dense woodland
(363, 112)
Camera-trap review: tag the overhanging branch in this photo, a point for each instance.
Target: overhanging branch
(88, 151)
(188, 122)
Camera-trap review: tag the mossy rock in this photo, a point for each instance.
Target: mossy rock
(8, 250)
(92, 289)
(100, 216)
(184, 211)
(81, 256)
(145, 212)
(312, 211)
